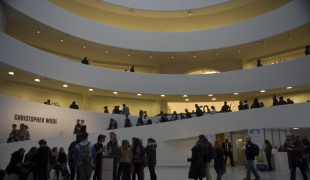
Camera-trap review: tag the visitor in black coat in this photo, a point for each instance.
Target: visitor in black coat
(15, 165)
(197, 168)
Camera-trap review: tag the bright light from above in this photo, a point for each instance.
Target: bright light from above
(37, 80)
(162, 95)
(295, 128)
(186, 99)
(210, 95)
(289, 87)
(184, 95)
(262, 91)
(139, 94)
(213, 99)
(115, 92)
(91, 90)
(210, 72)
(236, 93)
(65, 85)
(11, 73)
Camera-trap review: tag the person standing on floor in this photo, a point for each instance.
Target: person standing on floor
(151, 157)
(208, 154)
(250, 153)
(125, 161)
(42, 160)
(306, 144)
(268, 152)
(99, 148)
(71, 151)
(219, 164)
(227, 147)
(197, 167)
(295, 152)
(85, 157)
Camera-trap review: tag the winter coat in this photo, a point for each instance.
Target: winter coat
(16, 158)
(197, 167)
(219, 159)
(151, 153)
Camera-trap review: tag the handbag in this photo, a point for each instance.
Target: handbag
(145, 161)
(132, 168)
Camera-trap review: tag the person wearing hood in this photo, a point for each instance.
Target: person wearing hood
(151, 157)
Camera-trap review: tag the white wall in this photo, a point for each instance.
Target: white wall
(283, 19)
(174, 138)
(66, 118)
(48, 65)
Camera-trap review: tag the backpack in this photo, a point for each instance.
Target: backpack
(84, 155)
(256, 150)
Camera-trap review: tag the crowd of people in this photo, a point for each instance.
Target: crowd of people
(84, 157)
(21, 134)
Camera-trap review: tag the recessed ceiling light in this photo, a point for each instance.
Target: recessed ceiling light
(184, 95)
(289, 87)
(115, 92)
(289, 37)
(65, 85)
(236, 93)
(37, 80)
(262, 91)
(162, 95)
(91, 90)
(11, 73)
(210, 95)
(186, 99)
(139, 94)
(213, 99)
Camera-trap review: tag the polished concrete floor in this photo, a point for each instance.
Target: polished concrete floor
(232, 173)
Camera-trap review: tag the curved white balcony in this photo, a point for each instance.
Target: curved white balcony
(285, 116)
(290, 16)
(28, 58)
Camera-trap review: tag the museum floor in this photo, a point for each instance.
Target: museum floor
(232, 173)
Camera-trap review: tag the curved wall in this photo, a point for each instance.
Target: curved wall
(291, 73)
(167, 134)
(288, 17)
(165, 5)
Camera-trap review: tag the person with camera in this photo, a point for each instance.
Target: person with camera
(295, 152)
